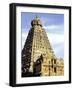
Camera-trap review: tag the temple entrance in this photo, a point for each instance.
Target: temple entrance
(37, 66)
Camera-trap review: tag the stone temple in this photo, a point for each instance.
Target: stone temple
(38, 57)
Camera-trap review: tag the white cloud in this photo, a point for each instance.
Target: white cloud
(59, 50)
(24, 36)
(53, 27)
(57, 42)
(58, 29)
(55, 38)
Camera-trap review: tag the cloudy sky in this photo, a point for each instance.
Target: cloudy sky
(54, 26)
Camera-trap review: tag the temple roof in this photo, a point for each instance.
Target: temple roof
(36, 21)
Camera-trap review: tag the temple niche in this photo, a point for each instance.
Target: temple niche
(38, 57)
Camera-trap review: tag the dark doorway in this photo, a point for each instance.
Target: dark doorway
(37, 66)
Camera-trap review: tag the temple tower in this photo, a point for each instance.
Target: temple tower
(38, 58)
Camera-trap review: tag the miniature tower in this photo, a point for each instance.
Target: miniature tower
(38, 57)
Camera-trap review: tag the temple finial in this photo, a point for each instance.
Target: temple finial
(36, 17)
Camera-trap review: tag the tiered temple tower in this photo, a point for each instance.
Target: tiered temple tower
(38, 58)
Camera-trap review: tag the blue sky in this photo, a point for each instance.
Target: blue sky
(54, 26)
